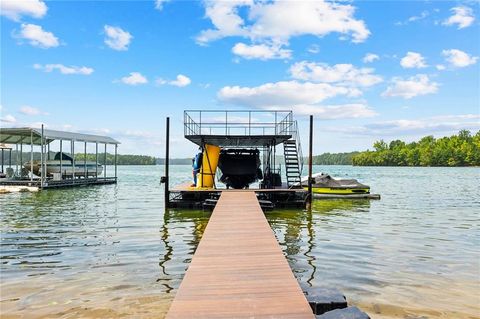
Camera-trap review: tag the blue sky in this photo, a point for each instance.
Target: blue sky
(365, 69)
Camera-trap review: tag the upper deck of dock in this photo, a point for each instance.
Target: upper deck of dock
(238, 270)
(239, 128)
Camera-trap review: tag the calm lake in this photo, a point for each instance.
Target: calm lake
(111, 251)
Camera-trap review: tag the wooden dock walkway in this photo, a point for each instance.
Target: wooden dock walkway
(238, 270)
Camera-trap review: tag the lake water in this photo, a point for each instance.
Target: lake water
(111, 251)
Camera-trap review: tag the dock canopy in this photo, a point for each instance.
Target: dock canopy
(27, 135)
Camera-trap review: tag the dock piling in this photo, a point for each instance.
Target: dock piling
(310, 164)
(167, 160)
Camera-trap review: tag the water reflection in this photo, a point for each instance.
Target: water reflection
(180, 234)
(111, 251)
(296, 232)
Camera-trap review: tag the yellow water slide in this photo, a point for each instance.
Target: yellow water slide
(205, 178)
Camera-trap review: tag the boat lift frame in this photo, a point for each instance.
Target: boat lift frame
(43, 138)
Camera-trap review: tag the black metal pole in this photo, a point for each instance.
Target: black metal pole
(310, 160)
(167, 160)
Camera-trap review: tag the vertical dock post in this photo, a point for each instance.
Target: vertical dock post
(72, 144)
(115, 160)
(31, 156)
(105, 162)
(310, 160)
(96, 160)
(85, 172)
(167, 159)
(42, 167)
(61, 159)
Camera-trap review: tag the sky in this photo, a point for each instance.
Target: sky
(366, 70)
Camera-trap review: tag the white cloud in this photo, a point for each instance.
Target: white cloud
(116, 38)
(159, 4)
(37, 37)
(370, 57)
(135, 78)
(8, 119)
(437, 124)
(413, 60)
(261, 51)
(285, 93)
(422, 16)
(180, 81)
(346, 74)
(416, 85)
(277, 21)
(463, 17)
(28, 110)
(15, 9)
(314, 48)
(83, 70)
(440, 67)
(334, 112)
(458, 58)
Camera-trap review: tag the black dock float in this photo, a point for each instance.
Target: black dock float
(345, 313)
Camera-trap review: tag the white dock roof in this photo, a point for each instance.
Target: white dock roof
(24, 134)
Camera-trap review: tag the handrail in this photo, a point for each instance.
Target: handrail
(230, 123)
(296, 137)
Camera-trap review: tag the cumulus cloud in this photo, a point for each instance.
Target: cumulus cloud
(36, 36)
(135, 78)
(116, 38)
(462, 17)
(278, 21)
(413, 60)
(285, 93)
(15, 9)
(346, 74)
(419, 84)
(370, 57)
(82, 70)
(32, 111)
(180, 81)
(8, 119)
(261, 51)
(440, 67)
(458, 58)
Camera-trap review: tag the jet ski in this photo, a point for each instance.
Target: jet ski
(326, 184)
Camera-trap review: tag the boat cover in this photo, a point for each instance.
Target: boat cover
(326, 181)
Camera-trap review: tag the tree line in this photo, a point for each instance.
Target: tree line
(122, 159)
(461, 149)
(334, 158)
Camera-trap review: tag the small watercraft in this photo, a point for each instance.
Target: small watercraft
(81, 168)
(326, 184)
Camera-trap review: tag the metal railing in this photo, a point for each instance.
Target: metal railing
(235, 122)
(296, 137)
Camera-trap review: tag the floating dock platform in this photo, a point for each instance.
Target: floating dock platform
(239, 270)
(67, 171)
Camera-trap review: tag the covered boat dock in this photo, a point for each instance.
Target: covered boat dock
(69, 167)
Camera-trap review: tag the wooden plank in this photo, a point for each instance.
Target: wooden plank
(238, 270)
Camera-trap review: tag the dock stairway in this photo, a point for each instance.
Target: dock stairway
(293, 162)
